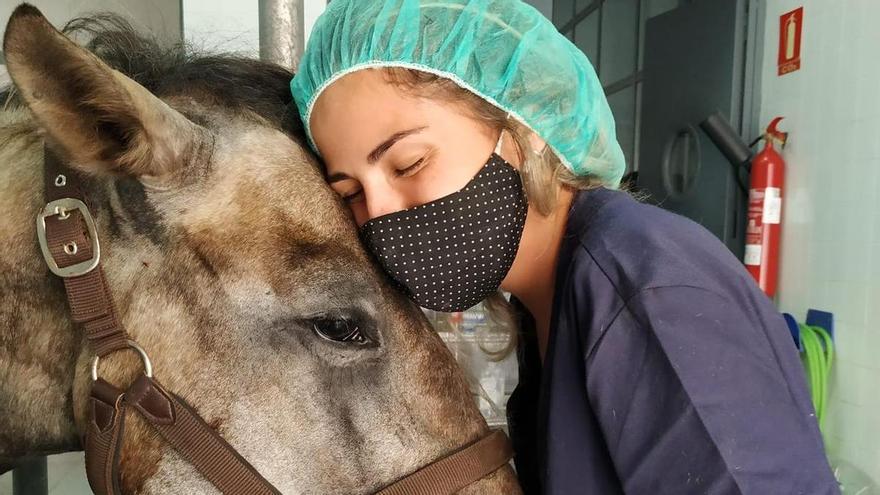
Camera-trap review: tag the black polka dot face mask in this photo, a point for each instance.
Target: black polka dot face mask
(452, 253)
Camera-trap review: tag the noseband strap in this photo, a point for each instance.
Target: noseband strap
(103, 441)
(454, 472)
(69, 241)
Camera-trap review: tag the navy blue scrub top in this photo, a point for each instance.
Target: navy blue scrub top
(667, 371)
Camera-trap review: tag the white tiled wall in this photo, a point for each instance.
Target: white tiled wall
(831, 239)
(222, 26)
(161, 17)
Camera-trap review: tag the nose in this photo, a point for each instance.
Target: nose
(381, 199)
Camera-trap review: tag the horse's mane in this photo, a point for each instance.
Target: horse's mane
(224, 80)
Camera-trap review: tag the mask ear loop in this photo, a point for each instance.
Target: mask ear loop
(541, 153)
(499, 143)
(500, 140)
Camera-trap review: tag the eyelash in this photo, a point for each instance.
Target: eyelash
(412, 169)
(352, 197)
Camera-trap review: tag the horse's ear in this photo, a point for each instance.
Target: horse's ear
(102, 120)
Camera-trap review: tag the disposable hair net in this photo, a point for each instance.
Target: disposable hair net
(505, 51)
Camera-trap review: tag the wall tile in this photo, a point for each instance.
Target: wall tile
(831, 236)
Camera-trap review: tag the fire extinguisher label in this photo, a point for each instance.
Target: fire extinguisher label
(772, 205)
(755, 226)
(753, 254)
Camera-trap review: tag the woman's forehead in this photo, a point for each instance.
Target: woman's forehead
(362, 109)
(360, 90)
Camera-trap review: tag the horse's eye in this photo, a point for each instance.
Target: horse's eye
(339, 330)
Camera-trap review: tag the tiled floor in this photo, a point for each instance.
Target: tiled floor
(67, 476)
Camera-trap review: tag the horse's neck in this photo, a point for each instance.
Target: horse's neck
(38, 346)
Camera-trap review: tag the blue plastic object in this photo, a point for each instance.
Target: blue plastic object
(794, 329)
(822, 319)
(816, 318)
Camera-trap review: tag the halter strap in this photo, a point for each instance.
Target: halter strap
(456, 471)
(69, 241)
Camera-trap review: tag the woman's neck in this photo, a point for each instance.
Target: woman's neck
(532, 278)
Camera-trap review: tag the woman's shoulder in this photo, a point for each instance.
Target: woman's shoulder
(636, 245)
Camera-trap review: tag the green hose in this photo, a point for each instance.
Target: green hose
(817, 356)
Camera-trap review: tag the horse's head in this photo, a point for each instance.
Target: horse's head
(235, 267)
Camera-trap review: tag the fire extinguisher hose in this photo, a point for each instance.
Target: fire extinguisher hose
(818, 354)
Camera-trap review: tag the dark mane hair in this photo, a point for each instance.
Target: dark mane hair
(230, 81)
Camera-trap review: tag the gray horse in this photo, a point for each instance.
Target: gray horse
(231, 263)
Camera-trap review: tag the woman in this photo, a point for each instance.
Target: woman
(476, 151)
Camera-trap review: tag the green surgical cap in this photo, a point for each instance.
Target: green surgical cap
(505, 51)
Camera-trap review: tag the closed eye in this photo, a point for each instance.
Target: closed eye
(412, 169)
(353, 197)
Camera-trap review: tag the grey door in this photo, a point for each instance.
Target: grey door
(693, 66)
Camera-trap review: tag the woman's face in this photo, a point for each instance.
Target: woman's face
(386, 150)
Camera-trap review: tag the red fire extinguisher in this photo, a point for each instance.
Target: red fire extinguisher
(764, 219)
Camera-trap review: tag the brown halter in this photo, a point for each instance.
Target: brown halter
(69, 242)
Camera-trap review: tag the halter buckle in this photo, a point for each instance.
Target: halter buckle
(62, 207)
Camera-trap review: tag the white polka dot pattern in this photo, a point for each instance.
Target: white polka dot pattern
(450, 254)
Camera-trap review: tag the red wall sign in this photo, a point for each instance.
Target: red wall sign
(790, 27)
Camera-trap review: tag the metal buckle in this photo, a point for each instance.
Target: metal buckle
(148, 366)
(63, 207)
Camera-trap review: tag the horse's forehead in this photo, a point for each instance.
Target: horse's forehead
(265, 193)
(261, 170)
(257, 154)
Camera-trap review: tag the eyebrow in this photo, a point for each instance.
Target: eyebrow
(380, 150)
(337, 177)
(377, 153)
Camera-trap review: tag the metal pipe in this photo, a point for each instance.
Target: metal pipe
(30, 477)
(281, 32)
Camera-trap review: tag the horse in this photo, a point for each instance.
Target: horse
(229, 260)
